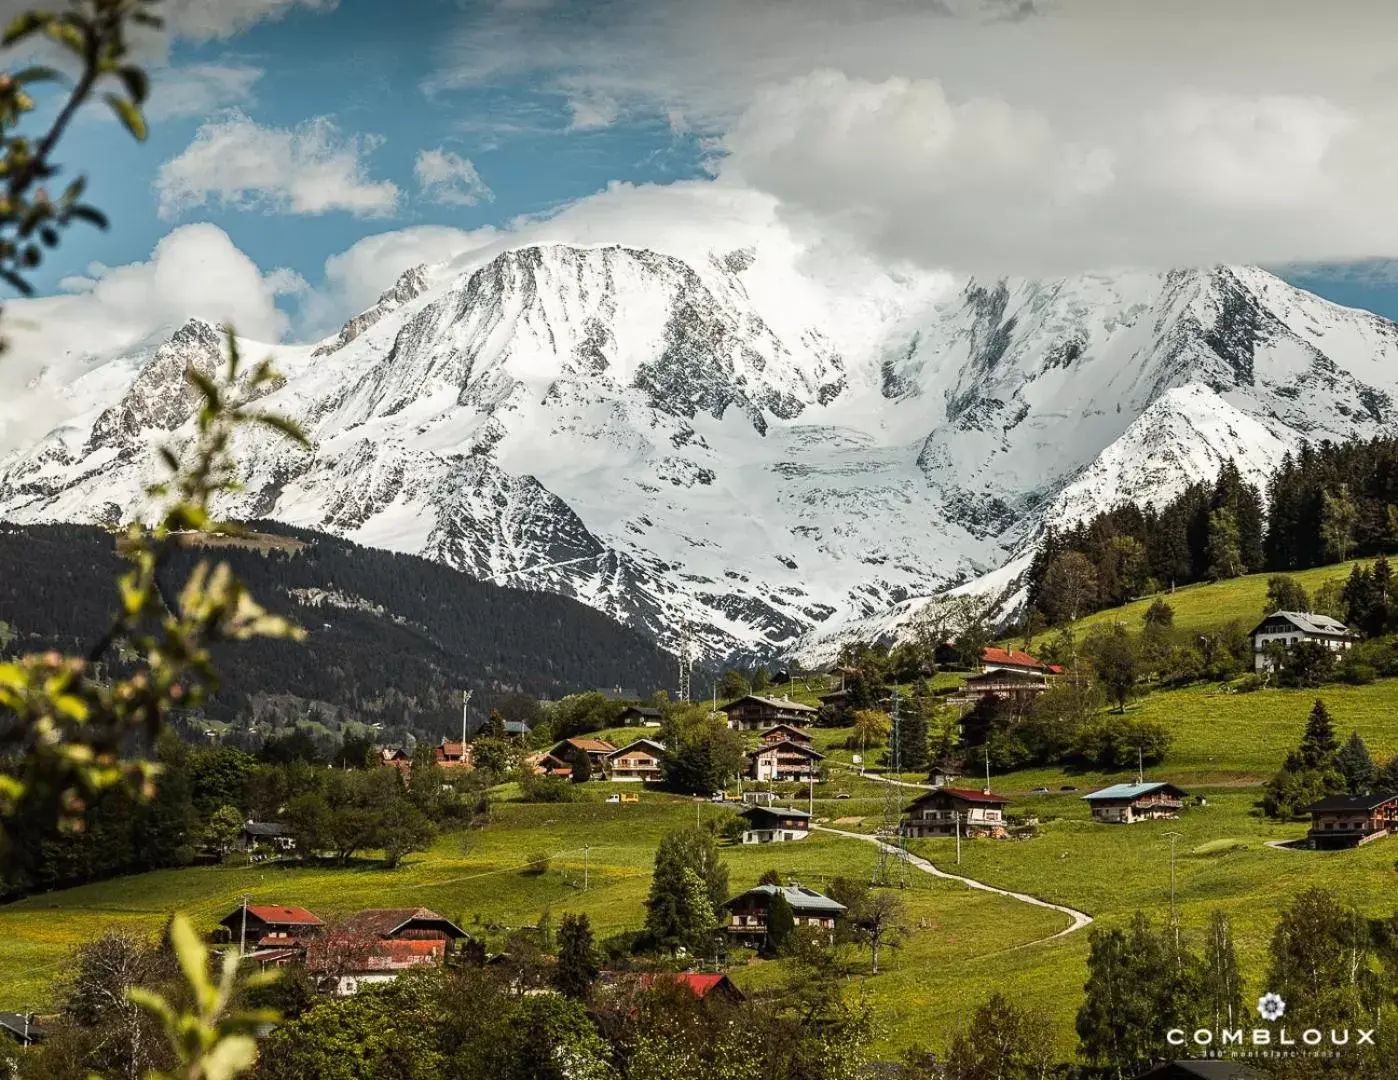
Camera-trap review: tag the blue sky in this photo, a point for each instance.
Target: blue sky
(981, 135)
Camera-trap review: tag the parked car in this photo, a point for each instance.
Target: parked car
(842, 795)
(1067, 787)
(614, 798)
(1040, 791)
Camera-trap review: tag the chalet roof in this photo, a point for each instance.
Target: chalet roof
(1132, 791)
(1351, 802)
(785, 727)
(699, 982)
(1202, 1069)
(650, 744)
(1308, 622)
(453, 747)
(787, 744)
(14, 1023)
(642, 710)
(772, 811)
(986, 798)
(773, 703)
(266, 828)
(517, 727)
(385, 922)
(801, 899)
(278, 915)
(1013, 657)
(592, 746)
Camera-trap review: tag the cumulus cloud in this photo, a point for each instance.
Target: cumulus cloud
(202, 20)
(200, 89)
(194, 271)
(1004, 136)
(448, 178)
(310, 169)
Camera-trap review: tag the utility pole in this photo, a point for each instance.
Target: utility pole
(465, 704)
(956, 816)
(987, 768)
(243, 933)
(1140, 765)
(1172, 837)
(586, 849)
(810, 797)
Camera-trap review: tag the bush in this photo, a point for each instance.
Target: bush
(184, 855)
(1248, 684)
(547, 789)
(538, 864)
(1356, 673)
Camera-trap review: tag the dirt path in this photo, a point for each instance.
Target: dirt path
(880, 778)
(1080, 919)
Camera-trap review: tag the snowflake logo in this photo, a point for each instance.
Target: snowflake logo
(1271, 1007)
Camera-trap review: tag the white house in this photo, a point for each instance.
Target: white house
(774, 824)
(1283, 629)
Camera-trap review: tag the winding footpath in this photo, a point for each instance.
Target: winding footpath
(1080, 919)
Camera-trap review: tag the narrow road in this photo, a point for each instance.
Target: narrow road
(1080, 919)
(881, 778)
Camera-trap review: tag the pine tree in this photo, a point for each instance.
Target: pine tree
(577, 966)
(1318, 745)
(781, 922)
(1356, 766)
(912, 738)
(678, 914)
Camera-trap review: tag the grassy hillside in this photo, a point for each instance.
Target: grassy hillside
(1208, 606)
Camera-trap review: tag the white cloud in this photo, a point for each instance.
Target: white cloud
(195, 271)
(309, 169)
(200, 89)
(202, 20)
(1003, 136)
(448, 178)
(591, 111)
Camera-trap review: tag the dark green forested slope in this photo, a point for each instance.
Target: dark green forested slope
(413, 636)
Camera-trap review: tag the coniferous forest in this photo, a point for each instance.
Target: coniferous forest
(393, 639)
(1326, 503)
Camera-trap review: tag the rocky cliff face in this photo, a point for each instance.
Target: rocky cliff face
(663, 440)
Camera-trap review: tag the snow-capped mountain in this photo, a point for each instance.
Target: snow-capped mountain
(723, 443)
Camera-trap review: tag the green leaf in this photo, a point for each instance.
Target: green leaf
(136, 82)
(290, 428)
(130, 116)
(88, 214)
(234, 1054)
(35, 74)
(21, 26)
(203, 384)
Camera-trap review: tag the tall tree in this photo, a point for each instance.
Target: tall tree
(1285, 593)
(781, 923)
(1225, 549)
(577, 968)
(1318, 745)
(1220, 982)
(678, 914)
(1338, 517)
(1115, 662)
(1069, 588)
(1356, 765)
(878, 922)
(1002, 1042)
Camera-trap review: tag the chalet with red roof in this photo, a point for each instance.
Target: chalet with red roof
(595, 749)
(993, 659)
(710, 987)
(268, 926)
(379, 944)
(454, 754)
(946, 811)
(395, 757)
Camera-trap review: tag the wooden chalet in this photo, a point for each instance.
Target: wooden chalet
(747, 912)
(639, 760)
(266, 834)
(595, 749)
(266, 926)
(774, 824)
(548, 765)
(1342, 821)
(639, 716)
(1123, 804)
(1016, 687)
(395, 757)
(1281, 630)
(787, 733)
(785, 760)
(454, 754)
(379, 944)
(753, 713)
(946, 811)
(943, 773)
